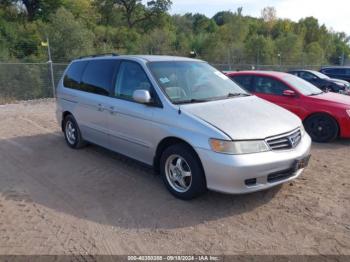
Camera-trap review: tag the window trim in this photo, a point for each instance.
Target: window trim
(156, 100)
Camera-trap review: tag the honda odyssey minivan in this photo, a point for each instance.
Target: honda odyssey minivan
(189, 121)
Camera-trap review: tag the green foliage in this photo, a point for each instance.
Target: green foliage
(315, 53)
(289, 47)
(69, 37)
(80, 27)
(260, 50)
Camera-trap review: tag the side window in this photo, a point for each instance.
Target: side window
(73, 75)
(244, 81)
(335, 71)
(306, 75)
(98, 76)
(267, 85)
(131, 77)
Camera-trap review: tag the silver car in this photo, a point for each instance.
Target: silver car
(194, 125)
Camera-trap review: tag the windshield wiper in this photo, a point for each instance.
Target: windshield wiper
(194, 100)
(315, 94)
(237, 94)
(190, 101)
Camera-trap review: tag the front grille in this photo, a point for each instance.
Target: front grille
(286, 141)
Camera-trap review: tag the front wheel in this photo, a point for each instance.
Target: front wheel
(182, 172)
(322, 128)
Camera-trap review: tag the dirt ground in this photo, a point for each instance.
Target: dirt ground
(55, 200)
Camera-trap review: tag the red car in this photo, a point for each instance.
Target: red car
(326, 116)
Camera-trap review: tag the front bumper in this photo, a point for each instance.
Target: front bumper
(230, 173)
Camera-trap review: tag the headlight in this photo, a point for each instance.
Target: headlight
(238, 147)
(348, 111)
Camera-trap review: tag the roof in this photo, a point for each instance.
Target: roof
(257, 72)
(335, 67)
(147, 58)
(302, 70)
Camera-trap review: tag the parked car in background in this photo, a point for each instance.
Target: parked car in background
(323, 82)
(340, 72)
(184, 118)
(326, 116)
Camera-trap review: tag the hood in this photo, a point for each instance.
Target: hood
(245, 117)
(336, 81)
(339, 99)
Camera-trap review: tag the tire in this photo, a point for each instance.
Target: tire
(184, 179)
(322, 128)
(72, 133)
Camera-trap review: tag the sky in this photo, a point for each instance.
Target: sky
(334, 14)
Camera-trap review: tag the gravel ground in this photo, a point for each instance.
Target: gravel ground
(54, 200)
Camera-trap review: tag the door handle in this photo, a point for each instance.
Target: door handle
(112, 111)
(101, 108)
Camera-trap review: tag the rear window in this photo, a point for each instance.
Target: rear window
(98, 77)
(73, 75)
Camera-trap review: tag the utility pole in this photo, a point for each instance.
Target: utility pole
(280, 58)
(229, 59)
(51, 67)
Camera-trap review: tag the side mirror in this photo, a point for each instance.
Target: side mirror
(289, 93)
(142, 96)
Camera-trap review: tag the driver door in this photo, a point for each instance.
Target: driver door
(131, 123)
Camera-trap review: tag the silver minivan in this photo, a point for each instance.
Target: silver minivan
(194, 125)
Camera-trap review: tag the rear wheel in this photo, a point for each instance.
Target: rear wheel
(72, 133)
(322, 128)
(182, 172)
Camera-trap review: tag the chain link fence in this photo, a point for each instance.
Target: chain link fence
(28, 81)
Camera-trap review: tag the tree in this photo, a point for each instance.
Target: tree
(36, 8)
(260, 50)
(290, 48)
(222, 17)
(269, 15)
(159, 42)
(314, 53)
(135, 12)
(69, 37)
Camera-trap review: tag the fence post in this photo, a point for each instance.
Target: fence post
(51, 68)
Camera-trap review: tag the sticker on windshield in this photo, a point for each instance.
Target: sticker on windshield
(164, 80)
(221, 75)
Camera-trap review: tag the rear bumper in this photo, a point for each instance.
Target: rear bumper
(230, 173)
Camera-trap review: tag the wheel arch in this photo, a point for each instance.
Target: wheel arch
(323, 113)
(169, 141)
(64, 115)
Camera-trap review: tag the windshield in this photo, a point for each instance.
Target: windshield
(320, 75)
(193, 82)
(302, 86)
